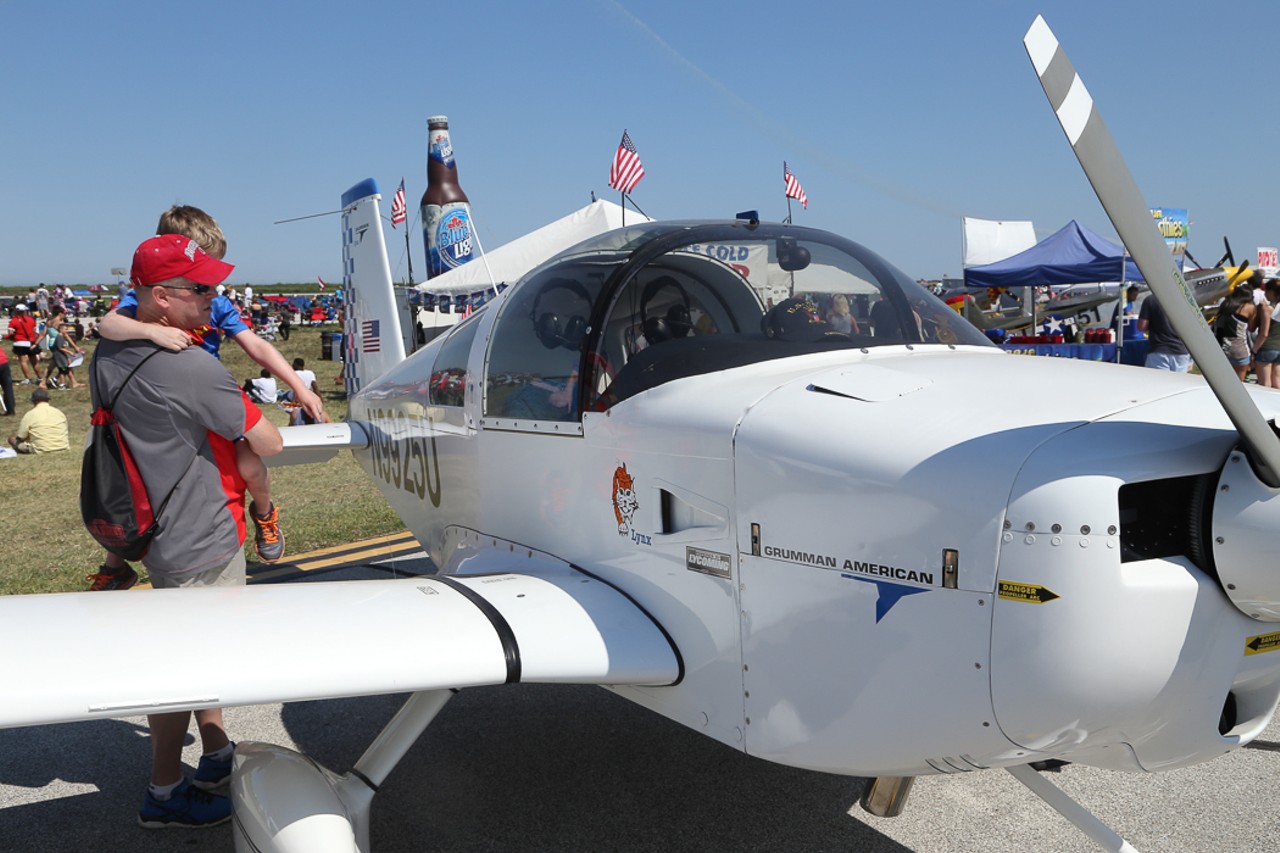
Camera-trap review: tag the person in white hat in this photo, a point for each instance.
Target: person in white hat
(26, 347)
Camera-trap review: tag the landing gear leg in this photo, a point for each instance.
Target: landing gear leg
(361, 782)
(284, 802)
(1102, 835)
(886, 796)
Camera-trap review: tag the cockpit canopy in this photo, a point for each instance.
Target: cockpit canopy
(641, 306)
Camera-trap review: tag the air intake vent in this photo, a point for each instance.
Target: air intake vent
(679, 514)
(1166, 518)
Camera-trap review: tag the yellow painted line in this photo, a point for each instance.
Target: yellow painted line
(359, 551)
(404, 536)
(350, 552)
(362, 556)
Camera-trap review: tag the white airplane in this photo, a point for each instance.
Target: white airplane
(882, 551)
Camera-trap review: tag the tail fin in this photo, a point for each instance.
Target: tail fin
(372, 343)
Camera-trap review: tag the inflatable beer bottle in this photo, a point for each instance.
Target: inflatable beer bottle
(446, 212)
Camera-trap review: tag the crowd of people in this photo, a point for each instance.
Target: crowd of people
(1246, 326)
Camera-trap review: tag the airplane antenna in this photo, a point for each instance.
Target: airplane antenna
(308, 216)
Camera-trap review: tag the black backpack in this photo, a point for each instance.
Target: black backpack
(113, 499)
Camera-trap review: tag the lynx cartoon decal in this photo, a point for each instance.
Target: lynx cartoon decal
(624, 499)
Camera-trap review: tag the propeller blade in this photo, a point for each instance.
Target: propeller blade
(1107, 172)
(1231, 256)
(1240, 274)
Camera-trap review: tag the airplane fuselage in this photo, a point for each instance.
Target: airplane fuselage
(797, 526)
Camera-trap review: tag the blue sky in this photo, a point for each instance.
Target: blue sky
(898, 118)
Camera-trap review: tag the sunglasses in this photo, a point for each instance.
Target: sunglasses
(198, 289)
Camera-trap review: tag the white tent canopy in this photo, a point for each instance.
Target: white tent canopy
(512, 260)
(989, 240)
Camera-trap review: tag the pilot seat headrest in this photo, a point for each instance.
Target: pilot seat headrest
(554, 330)
(675, 323)
(797, 319)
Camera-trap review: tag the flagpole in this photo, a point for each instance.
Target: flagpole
(788, 210)
(408, 254)
(622, 202)
(398, 213)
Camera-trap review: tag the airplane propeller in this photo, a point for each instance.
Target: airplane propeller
(1116, 189)
(1228, 257)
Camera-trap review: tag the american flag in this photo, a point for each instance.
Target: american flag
(626, 171)
(794, 190)
(397, 206)
(319, 279)
(369, 340)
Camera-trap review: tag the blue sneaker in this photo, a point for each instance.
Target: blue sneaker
(188, 808)
(213, 773)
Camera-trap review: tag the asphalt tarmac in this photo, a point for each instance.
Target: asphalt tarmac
(556, 768)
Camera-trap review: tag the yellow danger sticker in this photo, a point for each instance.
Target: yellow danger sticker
(1262, 643)
(1032, 593)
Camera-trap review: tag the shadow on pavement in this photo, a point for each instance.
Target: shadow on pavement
(542, 767)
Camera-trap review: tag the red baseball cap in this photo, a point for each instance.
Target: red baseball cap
(172, 256)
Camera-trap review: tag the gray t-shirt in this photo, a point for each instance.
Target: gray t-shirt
(180, 414)
(1160, 332)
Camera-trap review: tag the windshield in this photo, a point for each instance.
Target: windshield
(711, 304)
(646, 305)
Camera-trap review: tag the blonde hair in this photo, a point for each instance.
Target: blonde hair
(188, 221)
(839, 304)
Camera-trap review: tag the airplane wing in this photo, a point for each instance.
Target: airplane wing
(316, 443)
(252, 645)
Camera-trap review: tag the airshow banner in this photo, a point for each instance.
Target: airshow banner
(1173, 225)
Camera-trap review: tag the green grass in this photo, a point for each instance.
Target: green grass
(47, 548)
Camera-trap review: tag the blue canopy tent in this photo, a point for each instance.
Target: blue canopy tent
(1072, 255)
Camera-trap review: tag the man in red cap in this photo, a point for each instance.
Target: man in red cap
(181, 414)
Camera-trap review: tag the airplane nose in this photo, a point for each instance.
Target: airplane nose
(1245, 517)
